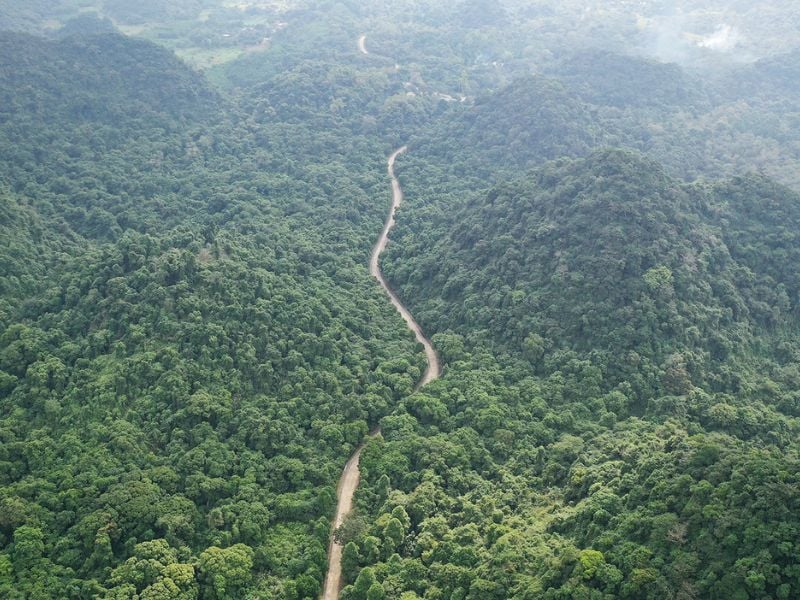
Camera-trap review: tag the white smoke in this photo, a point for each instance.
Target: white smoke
(673, 39)
(724, 39)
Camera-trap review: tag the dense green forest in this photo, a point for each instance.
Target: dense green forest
(635, 433)
(190, 345)
(600, 238)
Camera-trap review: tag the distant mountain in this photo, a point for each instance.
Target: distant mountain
(28, 17)
(732, 124)
(147, 11)
(107, 78)
(532, 120)
(79, 116)
(771, 78)
(479, 13)
(608, 79)
(87, 24)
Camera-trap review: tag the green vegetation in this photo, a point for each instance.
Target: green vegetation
(515, 490)
(204, 32)
(600, 245)
(190, 349)
(612, 258)
(618, 418)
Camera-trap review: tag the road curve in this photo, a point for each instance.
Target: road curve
(362, 46)
(434, 368)
(350, 475)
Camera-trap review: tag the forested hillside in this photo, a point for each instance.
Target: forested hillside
(635, 435)
(735, 121)
(600, 233)
(190, 345)
(610, 256)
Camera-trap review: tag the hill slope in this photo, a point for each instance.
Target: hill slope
(618, 416)
(608, 256)
(190, 342)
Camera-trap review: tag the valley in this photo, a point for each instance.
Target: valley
(568, 366)
(348, 483)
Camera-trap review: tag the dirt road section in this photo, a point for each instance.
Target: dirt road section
(347, 488)
(348, 483)
(434, 368)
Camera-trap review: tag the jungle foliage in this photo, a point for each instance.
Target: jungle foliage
(191, 346)
(618, 417)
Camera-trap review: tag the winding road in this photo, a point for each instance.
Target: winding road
(350, 475)
(434, 368)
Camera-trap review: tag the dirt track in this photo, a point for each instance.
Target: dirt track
(348, 483)
(434, 369)
(347, 487)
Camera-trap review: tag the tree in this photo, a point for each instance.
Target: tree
(591, 562)
(363, 583)
(6, 569)
(155, 573)
(376, 592)
(372, 549)
(350, 561)
(225, 571)
(393, 535)
(28, 548)
(352, 528)
(399, 513)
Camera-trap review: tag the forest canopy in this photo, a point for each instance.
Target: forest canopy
(599, 237)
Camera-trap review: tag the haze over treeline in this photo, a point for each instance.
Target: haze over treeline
(599, 235)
